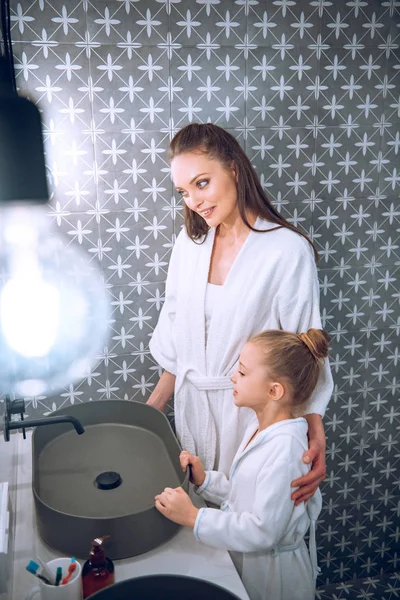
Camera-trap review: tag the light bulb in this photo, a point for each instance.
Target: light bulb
(53, 307)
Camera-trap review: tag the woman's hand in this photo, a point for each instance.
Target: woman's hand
(308, 484)
(197, 472)
(163, 391)
(176, 505)
(156, 403)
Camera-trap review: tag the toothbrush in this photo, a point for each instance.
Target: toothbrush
(71, 569)
(58, 576)
(33, 567)
(45, 571)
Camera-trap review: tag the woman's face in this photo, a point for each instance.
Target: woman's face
(206, 187)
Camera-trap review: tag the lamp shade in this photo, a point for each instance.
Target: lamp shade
(53, 307)
(22, 165)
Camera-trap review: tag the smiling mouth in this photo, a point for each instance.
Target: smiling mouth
(206, 213)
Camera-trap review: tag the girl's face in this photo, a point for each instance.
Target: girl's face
(206, 187)
(250, 381)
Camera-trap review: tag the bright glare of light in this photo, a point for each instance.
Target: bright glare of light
(53, 306)
(30, 314)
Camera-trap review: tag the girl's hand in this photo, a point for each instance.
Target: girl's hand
(197, 472)
(176, 505)
(308, 484)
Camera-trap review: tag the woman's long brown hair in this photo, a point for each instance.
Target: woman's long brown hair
(216, 143)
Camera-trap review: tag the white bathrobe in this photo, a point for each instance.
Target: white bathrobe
(272, 284)
(258, 521)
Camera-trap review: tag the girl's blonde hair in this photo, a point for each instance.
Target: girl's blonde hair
(297, 358)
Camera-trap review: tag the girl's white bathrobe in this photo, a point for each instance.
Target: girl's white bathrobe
(272, 284)
(258, 520)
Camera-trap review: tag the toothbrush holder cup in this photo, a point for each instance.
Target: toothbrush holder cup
(69, 591)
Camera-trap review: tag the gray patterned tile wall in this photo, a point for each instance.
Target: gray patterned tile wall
(311, 90)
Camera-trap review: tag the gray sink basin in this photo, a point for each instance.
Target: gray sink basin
(164, 587)
(103, 482)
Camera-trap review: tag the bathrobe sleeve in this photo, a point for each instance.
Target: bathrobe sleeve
(297, 305)
(162, 344)
(216, 487)
(260, 529)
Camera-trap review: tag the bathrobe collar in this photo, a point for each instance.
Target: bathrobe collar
(295, 427)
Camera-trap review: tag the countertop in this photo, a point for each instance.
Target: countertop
(8, 477)
(183, 554)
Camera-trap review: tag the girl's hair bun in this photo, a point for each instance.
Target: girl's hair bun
(317, 341)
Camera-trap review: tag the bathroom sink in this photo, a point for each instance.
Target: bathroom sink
(103, 482)
(165, 587)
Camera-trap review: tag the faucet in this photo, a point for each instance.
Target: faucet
(18, 406)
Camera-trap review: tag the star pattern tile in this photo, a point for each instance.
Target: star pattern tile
(311, 90)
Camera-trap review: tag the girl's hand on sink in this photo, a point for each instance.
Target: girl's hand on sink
(176, 505)
(197, 472)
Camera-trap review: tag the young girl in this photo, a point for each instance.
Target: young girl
(257, 521)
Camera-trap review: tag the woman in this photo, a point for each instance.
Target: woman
(237, 268)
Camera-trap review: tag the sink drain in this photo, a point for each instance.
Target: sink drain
(108, 480)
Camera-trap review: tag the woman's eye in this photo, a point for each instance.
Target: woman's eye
(202, 183)
(180, 192)
(241, 373)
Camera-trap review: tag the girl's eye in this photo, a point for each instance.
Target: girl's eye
(241, 373)
(202, 183)
(180, 192)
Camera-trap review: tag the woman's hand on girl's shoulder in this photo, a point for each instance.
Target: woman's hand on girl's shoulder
(308, 484)
(197, 472)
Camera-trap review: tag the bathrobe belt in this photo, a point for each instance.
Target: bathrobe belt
(312, 549)
(187, 378)
(208, 383)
